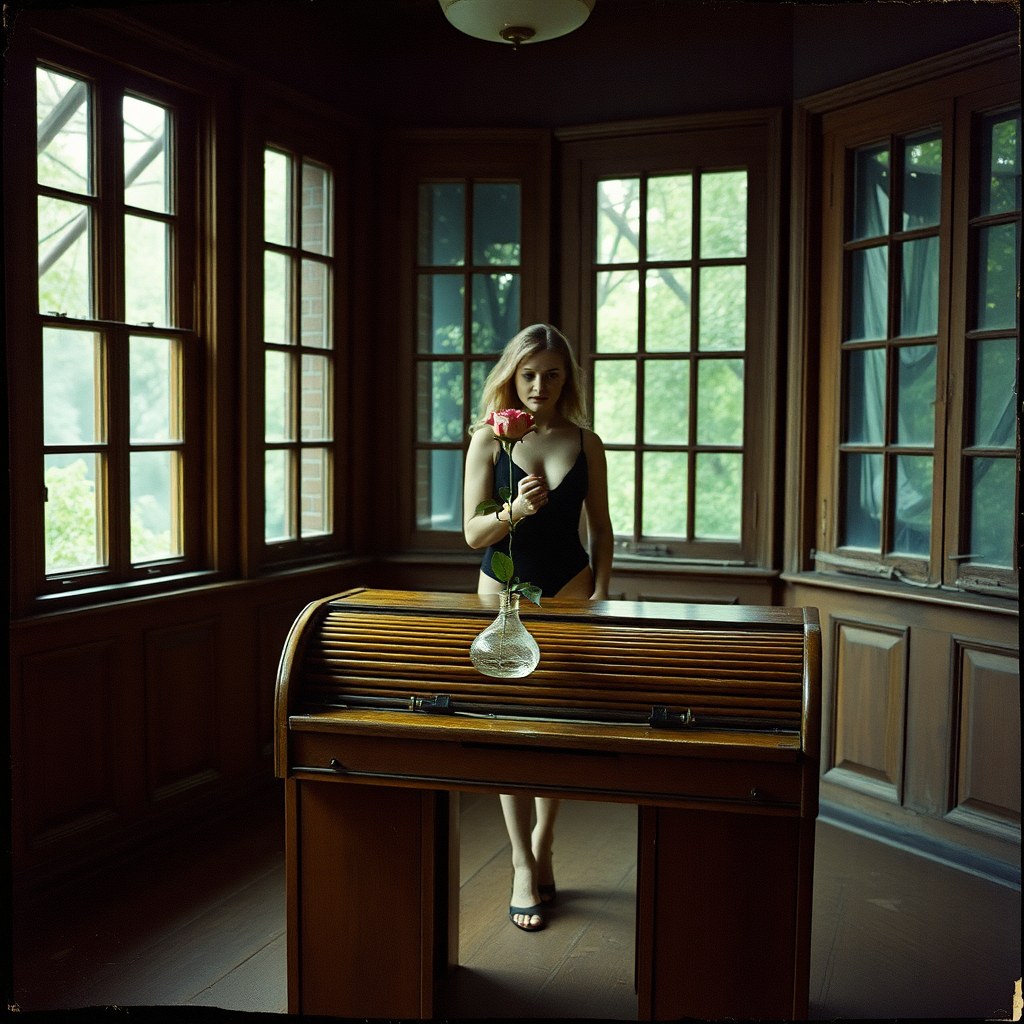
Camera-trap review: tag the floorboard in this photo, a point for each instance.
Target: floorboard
(200, 923)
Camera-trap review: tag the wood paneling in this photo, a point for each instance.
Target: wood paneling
(181, 708)
(986, 742)
(869, 708)
(69, 772)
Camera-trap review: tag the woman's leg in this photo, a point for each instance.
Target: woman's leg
(543, 837)
(518, 811)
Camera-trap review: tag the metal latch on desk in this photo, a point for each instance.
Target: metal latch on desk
(662, 718)
(440, 704)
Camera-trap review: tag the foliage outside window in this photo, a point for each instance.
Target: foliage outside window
(116, 467)
(467, 308)
(298, 350)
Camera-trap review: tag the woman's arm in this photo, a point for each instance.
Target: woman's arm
(482, 531)
(599, 523)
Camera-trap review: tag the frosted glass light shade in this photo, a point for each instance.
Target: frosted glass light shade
(485, 19)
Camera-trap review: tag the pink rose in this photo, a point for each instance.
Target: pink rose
(510, 424)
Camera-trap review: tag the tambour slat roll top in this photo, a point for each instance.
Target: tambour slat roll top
(614, 660)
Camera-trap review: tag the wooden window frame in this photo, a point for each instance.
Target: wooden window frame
(985, 72)
(109, 79)
(296, 126)
(750, 140)
(416, 157)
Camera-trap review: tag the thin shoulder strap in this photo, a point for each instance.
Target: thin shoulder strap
(581, 439)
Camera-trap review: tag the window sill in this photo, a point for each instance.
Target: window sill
(905, 592)
(90, 599)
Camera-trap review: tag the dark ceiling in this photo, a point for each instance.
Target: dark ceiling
(399, 62)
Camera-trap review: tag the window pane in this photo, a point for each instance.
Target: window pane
(316, 209)
(442, 225)
(667, 320)
(439, 490)
(615, 401)
(869, 293)
(621, 491)
(1000, 155)
(316, 305)
(997, 277)
(722, 312)
(915, 395)
(912, 515)
(277, 205)
(478, 372)
(871, 192)
(316, 480)
(73, 512)
(718, 495)
(439, 401)
(666, 402)
(65, 258)
(145, 271)
(865, 396)
(496, 224)
(618, 220)
(316, 399)
(277, 490)
(618, 300)
(919, 295)
(277, 397)
(277, 294)
(719, 402)
(72, 372)
(439, 313)
(670, 217)
(146, 181)
(994, 388)
(922, 180)
(665, 498)
(992, 488)
(155, 513)
(495, 311)
(862, 515)
(723, 214)
(63, 132)
(153, 390)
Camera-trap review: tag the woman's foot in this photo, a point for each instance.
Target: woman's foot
(524, 904)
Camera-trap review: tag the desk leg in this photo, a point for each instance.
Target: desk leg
(368, 922)
(717, 908)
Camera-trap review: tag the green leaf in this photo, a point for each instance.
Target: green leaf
(529, 591)
(486, 507)
(501, 566)
(505, 493)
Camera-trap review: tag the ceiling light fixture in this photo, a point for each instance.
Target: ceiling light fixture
(517, 21)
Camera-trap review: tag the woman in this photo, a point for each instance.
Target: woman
(559, 472)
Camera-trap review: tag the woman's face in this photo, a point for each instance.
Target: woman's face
(539, 381)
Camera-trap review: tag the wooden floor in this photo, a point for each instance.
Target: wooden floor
(200, 923)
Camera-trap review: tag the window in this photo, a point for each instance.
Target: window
(673, 298)
(115, 215)
(668, 363)
(299, 370)
(467, 308)
(921, 258)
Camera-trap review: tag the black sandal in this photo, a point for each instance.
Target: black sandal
(534, 911)
(547, 892)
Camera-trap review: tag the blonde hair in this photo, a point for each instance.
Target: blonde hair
(500, 387)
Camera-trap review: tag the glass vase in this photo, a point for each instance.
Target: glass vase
(505, 649)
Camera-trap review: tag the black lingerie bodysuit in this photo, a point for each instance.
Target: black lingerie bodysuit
(546, 547)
